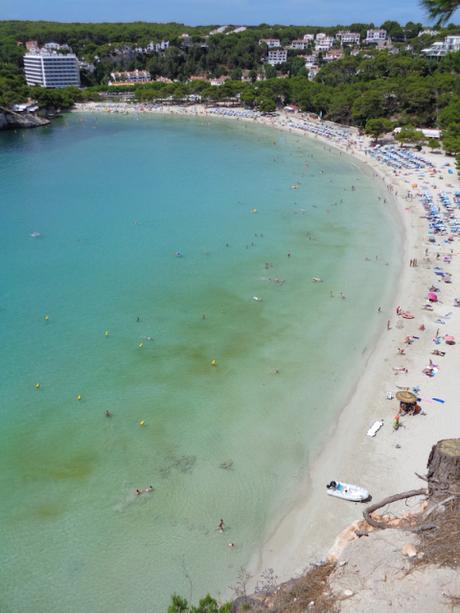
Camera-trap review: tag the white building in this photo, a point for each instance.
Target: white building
(276, 56)
(442, 48)
(308, 37)
(348, 38)
(376, 37)
(310, 61)
(452, 43)
(238, 30)
(132, 76)
(333, 55)
(313, 71)
(299, 44)
(272, 43)
(220, 30)
(428, 33)
(323, 42)
(56, 47)
(157, 47)
(324, 45)
(51, 69)
(185, 40)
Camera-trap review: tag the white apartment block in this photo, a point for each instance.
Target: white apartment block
(272, 43)
(348, 38)
(133, 76)
(376, 37)
(299, 44)
(51, 69)
(308, 37)
(323, 42)
(276, 56)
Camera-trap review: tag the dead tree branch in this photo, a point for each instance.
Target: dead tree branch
(383, 503)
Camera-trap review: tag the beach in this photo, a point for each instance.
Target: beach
(386, 463)
(229, 385)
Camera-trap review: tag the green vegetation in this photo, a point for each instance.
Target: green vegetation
(410, 135)
(442, 10)
(206, 605)
(377, 127)
(401, 87)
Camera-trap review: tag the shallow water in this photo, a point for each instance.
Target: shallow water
(114, 198)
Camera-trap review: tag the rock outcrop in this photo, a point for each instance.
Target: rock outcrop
(9, 120)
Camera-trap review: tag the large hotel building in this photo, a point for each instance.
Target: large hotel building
(51, 69)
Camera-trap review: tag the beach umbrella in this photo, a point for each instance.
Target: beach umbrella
(406, 397)
(432, 297)
(450, 340)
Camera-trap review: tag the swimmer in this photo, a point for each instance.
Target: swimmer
(148, 489)
(138, 492)
(221, 526)
(231, 545)
(108, 413)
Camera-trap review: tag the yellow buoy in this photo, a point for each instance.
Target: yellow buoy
(37, 386)
(140, 345)
(46, 317)
(142, 423)
(213, 362)
(106, 333)
(78, 397)
(253, 211)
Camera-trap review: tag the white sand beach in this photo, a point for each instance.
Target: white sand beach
(387, 463)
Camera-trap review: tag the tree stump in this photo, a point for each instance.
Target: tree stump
(444, 468)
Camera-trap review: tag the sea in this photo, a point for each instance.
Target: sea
(161, 269)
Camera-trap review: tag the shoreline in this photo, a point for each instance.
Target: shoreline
(307, 530)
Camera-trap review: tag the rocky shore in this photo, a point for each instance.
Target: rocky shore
(9, 120)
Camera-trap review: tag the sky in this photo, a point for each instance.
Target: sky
(197, 12)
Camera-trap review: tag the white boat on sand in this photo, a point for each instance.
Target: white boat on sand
(347, 491)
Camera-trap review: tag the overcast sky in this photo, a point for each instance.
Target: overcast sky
(195, 12)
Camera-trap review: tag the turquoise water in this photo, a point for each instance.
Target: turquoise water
(114, 198)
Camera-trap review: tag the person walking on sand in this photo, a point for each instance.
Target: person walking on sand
(388, 325)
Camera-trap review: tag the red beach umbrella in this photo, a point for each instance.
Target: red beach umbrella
(432, 297)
